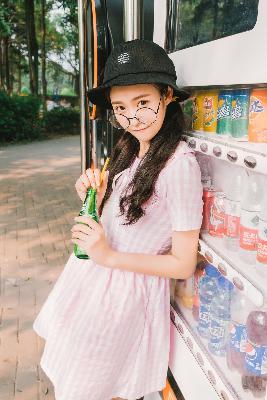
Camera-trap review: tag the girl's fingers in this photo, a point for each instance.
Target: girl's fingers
(80, 186)
(82, 228)
(80, 235)
(89, 221)
(91, 176)
(85, 180)
(97, 176)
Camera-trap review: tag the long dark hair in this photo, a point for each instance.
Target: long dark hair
(161, 148)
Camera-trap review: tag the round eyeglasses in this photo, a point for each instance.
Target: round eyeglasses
(144, 115)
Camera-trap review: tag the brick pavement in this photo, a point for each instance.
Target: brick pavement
(38, 202)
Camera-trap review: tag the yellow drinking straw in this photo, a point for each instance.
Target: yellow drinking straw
(104, 170)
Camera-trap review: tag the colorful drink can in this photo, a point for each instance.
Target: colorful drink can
(240, 109)
(210, 104)
(217, 215)
(224, 117)
(257, 127)
(197, 117)
(208, 198)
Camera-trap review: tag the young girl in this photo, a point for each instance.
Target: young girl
(106, 322)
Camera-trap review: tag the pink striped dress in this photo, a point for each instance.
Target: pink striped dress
(107, 330)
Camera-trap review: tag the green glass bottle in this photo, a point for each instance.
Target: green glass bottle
(89, 208)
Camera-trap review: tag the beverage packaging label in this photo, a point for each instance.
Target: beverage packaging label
(204, 316)
(197, 115)
(224, 114)
(238, 337)
(262, 242)
(210, 111)
(240, 106)
(248, 229)
(217, 216)
(218, 332)
(232, 218)
(257, 128)
(256, 359)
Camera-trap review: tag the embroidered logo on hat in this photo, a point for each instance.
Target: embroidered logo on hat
(123, 58)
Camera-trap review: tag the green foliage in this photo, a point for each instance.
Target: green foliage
(19, 118)
(62, 120)
(67, 92)
(25, 91)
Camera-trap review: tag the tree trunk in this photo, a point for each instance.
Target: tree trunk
(43, 52)
(32, 45)
(7, 69)
(77, 84)
(1, 64)
(19, 74)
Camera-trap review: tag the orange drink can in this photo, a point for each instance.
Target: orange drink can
(198, 109)
(257, 126)
(210, 103)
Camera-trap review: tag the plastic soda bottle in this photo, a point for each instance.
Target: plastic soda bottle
(241, 306)
(197, 115)
(224, 120)
(210, 103)
(257, 127)
(199, 273)
(262, 234)
(89, 208)
(249, 221)
(220, 315)
(240, 109)
(233, 210)
(208, 200)
(217, 215)
(207, 290)
(255, 376)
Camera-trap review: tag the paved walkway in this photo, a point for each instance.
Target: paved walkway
(38, 202)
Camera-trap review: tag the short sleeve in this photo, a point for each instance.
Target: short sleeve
(183, 191)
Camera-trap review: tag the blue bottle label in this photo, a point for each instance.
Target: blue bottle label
(256, 359)
(238, 337)
(218, 332)
(204, 316)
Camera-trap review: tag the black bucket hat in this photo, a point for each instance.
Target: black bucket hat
(133, 62)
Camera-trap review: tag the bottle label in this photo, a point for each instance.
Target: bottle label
(218, 332)
(238, 337)
(262, 242)
(256, 359)
(204, 316)
(232, 218)
(248, 229)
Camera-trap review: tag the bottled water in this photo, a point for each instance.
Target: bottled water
(220, 317)
(207, 290)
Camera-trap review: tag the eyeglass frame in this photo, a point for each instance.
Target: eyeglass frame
(134, 117)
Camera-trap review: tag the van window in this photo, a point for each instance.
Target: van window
(190, 23)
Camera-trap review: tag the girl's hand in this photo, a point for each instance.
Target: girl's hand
(91, 178)
(92, 239)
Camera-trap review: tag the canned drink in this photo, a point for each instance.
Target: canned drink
(210, 104)
(197, 120)
(257, 127)
(224, 118)
(240, 109)
(208, 197)
(217, 215)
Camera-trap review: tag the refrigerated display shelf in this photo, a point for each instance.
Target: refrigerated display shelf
(185, 326)
(252, 156)
(215, 367)
(251, 279)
